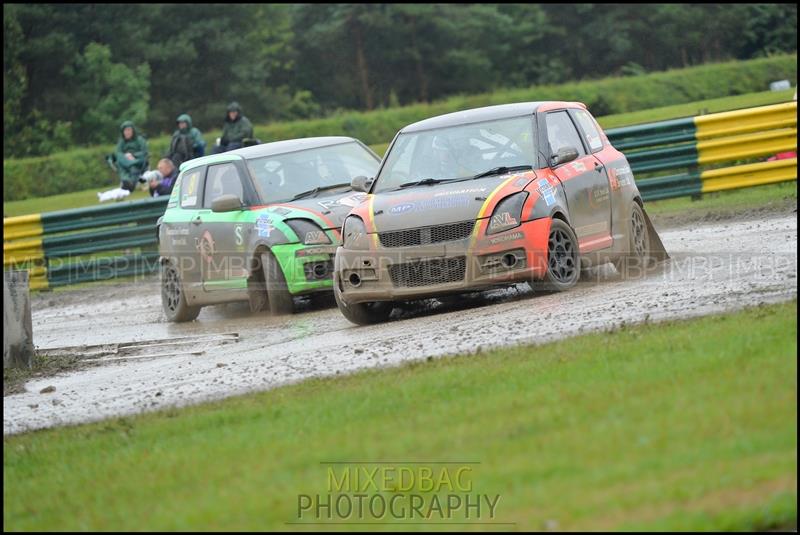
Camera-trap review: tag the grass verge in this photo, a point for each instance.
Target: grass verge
(686, 425)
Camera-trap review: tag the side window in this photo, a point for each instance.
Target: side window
(222, 179)
(561, 133)
(590, 131)
(190, 185)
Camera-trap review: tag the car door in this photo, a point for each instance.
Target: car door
(220, 236)
(178, 229)
(585, 183)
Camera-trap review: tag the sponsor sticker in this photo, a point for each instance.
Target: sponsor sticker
(316, 236)
(503, 219)
(505, 238)
(207, 246)
(237, 232)
(467, 191)
(401, 208)
(264, 226)
(440, 203)
(624, 176)
(598, 195)
(578, 166)
(547, 191)
(350, 201)
(612, 179)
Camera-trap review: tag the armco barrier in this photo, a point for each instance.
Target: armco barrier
(60, 248)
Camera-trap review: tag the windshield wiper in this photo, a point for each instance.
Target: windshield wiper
(423, 182)
(317, 190)
(501, 170)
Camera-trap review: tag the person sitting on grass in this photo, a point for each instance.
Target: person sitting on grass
(236, 130)
(130, 156)
(187, 141)
(168, 173)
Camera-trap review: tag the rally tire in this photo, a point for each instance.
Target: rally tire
(363, 313)
(278, 296)
(173, 298)
(563, 259)
(636, 258)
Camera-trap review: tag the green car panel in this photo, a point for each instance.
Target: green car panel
(218, 254)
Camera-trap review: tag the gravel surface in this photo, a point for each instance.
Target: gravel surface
(715, 267)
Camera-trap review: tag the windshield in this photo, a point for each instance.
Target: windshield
(458, 152)
(282, 177)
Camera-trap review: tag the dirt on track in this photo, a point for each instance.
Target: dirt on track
(139, 362)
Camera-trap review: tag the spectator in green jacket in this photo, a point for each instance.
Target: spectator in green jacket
(130, 156)
(187, 141)
(236, 130)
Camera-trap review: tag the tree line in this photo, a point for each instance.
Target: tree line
(74, 72)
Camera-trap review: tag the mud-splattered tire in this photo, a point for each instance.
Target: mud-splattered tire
(636, 259)
(363, 313)
(278, 296)
(173, 298)
(563, 259)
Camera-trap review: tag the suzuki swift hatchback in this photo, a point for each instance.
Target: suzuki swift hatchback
(485, 197)
(258, 224)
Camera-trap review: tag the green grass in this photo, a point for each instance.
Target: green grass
(691, 109)
(65, 201)
(726, 203)
(687, 425)
(89, 197)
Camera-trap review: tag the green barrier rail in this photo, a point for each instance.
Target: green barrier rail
(82, 245)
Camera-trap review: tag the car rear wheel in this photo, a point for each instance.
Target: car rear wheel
(563, 259)
(363, 313)
(636, 257)
(278, 296)
(173, 298)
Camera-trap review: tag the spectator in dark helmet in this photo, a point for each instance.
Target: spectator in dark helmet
(187, 142)
(236, 130)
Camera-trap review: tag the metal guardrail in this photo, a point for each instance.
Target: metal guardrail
(60, 248)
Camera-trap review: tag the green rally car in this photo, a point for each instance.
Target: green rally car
(258, 224)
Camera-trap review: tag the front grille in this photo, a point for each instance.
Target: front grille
(428, 272)
(427, 235)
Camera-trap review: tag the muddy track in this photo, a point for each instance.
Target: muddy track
(141, 363)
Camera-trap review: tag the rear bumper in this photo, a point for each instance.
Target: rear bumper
(404, 273)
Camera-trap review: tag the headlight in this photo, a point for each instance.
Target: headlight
(508, 213)
(308, 232)
(354, 233)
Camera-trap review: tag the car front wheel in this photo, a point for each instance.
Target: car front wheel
(278, 296)
(563, 259)
(363, 313)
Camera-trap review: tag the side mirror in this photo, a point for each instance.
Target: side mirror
(226, 203)
(361, 183)
(564, 155)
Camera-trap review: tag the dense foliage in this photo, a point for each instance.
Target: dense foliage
(74, 72)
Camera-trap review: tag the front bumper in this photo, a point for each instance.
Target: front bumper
(405, 273)
(307, 268)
